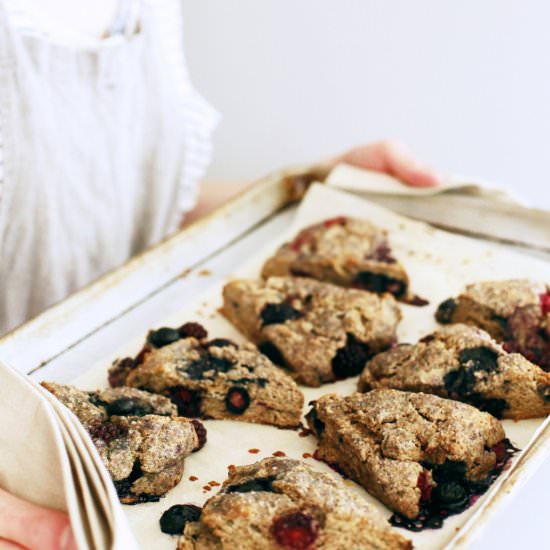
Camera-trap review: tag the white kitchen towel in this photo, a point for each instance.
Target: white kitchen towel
(48, 458)
(470, 208)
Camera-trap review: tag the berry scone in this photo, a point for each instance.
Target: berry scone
(214, 379)
(343, 251)
(141, 442)
(280, 504)
(319, 332)
(514, 312)
(423, 456)
(464, 363)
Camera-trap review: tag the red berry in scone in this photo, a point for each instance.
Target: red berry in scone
(464, 363)
(216, 378)
(514, 312)
(285, 504)
(343, 251)
(421, 455)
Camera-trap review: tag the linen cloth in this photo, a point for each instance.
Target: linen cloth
(48, 459)
(477, 209)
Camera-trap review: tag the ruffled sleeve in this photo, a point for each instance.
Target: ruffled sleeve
(200, 117)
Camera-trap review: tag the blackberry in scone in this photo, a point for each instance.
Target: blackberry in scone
(215, 379)
(284, 504)
(319, 332)
(464, 363)
(515, 312)
(344, 251)
(141, 443)
(423, 456)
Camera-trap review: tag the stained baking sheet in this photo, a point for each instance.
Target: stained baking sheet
(439, 264)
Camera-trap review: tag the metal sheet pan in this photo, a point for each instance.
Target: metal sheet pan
(86, 328)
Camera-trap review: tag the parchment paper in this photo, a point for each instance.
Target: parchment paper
(439, 265)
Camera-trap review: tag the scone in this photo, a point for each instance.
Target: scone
(141, 443)
(319, 332)
(343, 251)
(280, 504)
(515, 313)
(463, 362)
(214, 379)
(421, 455)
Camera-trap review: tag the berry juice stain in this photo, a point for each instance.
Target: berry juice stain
(453, 493)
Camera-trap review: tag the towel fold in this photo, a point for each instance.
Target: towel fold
(470, 208)
(49, 459)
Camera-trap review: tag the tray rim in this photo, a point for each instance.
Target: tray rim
(267, 195)
(280, 188)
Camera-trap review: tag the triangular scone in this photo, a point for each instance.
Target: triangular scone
(400, 446)
(463, 362)
(142, 445)
(344, 251)
(318, 331)
(515, 312)
(215, 379)
(279, 504)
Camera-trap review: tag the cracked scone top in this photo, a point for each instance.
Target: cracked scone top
(214, 379)
(463, 362)
(344, 251)
(392, 443)
(318, 331)
(284, 504)
(142, 445)
(515, 312)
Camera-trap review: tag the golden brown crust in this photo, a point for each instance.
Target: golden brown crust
(464, 363)
(211, 372)
(338, 251)
(143, 454)
(384, 438)
(515, 312)
(244, 519)
(503, 297)
(323, 319)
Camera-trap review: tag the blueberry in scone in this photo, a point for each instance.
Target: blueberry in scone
(174, 520)
(319, 332)
(423, 456)
(515, 312)
(215, 379)
(280, 504)
(139, 438)
(464, 363)
(344, 251)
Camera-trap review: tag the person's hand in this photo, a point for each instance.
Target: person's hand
(391, 158)
(386, 156)
(27, 526)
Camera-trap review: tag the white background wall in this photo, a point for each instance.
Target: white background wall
(465, 83)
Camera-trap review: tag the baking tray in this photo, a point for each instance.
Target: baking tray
(117, 310)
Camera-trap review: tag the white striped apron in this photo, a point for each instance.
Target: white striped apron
(102, 152)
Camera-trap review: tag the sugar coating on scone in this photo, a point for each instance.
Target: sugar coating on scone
(463, 362)
(397, 444)
(515, 312)
(286, 504)
(91, 406)
(142, 445)
(344, 251)
(215, 379)
(319, 332)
